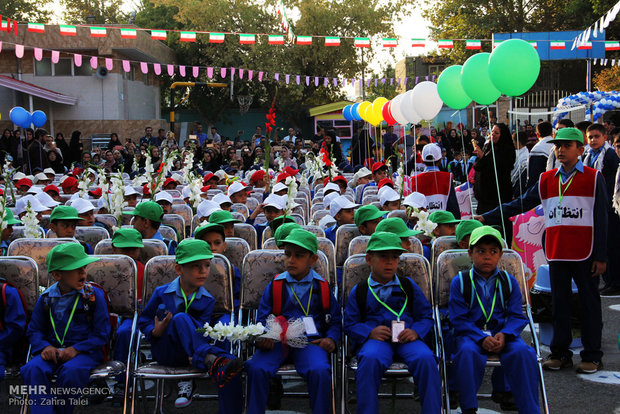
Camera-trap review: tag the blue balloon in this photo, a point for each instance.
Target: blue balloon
(356, 116)
(20, 117)
(346, 112)
(39, 118)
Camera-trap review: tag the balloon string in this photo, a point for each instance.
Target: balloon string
(499, 197)
(415, 158)
(471, 202)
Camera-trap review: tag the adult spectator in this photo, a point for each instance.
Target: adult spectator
(5, 145)
(61, 144)
(75, 147)
(50, 145)
(291, 137)
(246, 157)
(289, 161)
(200, 135)
(320, 134)
(455, 142)
(146, 139)
(518, 175)
(155, 157)
(54, 161)
(215, 137)
(109, 164)
(170, 141)
(159, 139)
(537, 159)
(258, 137)
(114, 141)
(333, 147)
(36, 157)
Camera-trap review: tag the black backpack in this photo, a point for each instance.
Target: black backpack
(505, 290)
(361, 294)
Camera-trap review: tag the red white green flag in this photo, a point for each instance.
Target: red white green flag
(36, 27)
(216, 37)
(332, 41)
(557, 45)
(361, 42)
(158, 34)
(533, 43)
(188, 37)
(418, 42)
(66, 30)
(304, 40)
(445, 44)
(389, 42)
(585, 46)
(612, 46)
(276, 39)
(473, 44)
(247, 39)
(129, 34)
(97, 32)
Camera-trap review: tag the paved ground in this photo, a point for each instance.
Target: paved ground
(568, 392)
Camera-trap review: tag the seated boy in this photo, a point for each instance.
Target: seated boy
(174, 341)
(397, 226)
(68, 329)
(273, 206)
(323, 327)
(238, 192)
(366, 219)
(389, 199)
(390, 319)
(446, 223)
(463, 232)
(416, 201)
(148, 216)
(63, 221)
(225, 219)
(282, 233)
(12, 320)
(8, 231)
(131, 196)
(343, 211)
(490, 321)
(223, 201)
(165, 200)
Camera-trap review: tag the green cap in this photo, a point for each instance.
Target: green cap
(191, 250)
(304, 239)
(209, 227)
(443, 217)
(68, 256)
(283, 231)
(465, 228)
(148, 210)
(10, 218)
(280, 220)
(65, 213)
(367, 213)
(397, 226)
(222, 217)
(384, 241)
(568, 134)
(125, 237)
(484, 231)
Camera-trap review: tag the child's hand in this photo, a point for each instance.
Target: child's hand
(327, 344)
(408, 335)
(67, 354)
(489, 344)
(49, 353)
(501, 342)
(265, 344)
(598, 268)
(258, 210)
(381, 333)
(160, 326)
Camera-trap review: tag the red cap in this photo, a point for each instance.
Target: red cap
(145, 189)
(258, 175)
(1, 191)
(386, 181)
(205, 188)
(69, 183)
(325, 181)
(77, 171)
(209, 176)
(282, 177)
(170, 180)
(97, 192)
(377, 166)
(51, 187)
(290, 171)
(339, 178)
(24, 181)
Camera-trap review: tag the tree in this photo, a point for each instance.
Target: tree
(607, 79)
(94, 11)
(384, 88)
(25, 10)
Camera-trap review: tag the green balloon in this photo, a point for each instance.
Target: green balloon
(514, 66)
(476, 81)
(450, 89)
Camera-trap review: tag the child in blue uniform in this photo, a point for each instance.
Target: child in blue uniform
(343, 211)
(282, 233)
(273, 206)
(69, 327)
(490, 321)
(174, 341)
(374, 327)
(366, 219)
(8, 231)
(397, 226)
(12, 322)
(226, 220)
(63, 221)
(303, 295)
(148, 216)
(446, 223)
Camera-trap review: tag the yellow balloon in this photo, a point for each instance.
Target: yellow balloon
(377, 107)
(372, 118)
(362, 110)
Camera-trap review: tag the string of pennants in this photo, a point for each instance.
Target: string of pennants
(606, 62)
(598, 27)
(279, 39)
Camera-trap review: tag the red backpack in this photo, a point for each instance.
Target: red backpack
(277, 292)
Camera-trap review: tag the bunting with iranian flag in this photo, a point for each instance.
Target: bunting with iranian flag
(533, 43)
(389, 42)
(418, 42)
(445, 44)
(129, 34)
(276, 39)
(188, 37)
(585, 46)
(158, 34)
(216, 37)
(97, 32)
(247, 39)
(36, 27)
(612, 46)
(67, 30)
(557, 45)
(473, 44)
(332, 41)
(304, 40)
(362, 42)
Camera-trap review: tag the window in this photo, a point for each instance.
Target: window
(84, 70)
(131, 75)
(342, 128)
(63, 67)
(43, 67)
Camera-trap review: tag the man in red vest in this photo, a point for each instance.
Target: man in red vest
(574, 198)
(436, 185)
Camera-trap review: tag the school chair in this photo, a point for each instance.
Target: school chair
(318, 185)
(178, 202)
(152, 248)
(236, 250)
(359, 243)
(222, 187)
(173, 193)
(159, 271)
(167, 232)
(259, 268)
(304, 205)
(316, 230)
(37, 249)
(449, 264)
(356, 270)
(238, 216)
(186, 212)
(358, 193)
(242, 209)
(400, 214)
(318, 215)
(213, 192)
(344, 235)
(318, 198)
(246, 232)
(370, 199)
(18, 233)
(195, 224)
(87, 234)
(349, 192)
(177, 222)
(126, 218)
(45, 221)
(316, 207)
(107, 219)
(253, 201)
(440, 245)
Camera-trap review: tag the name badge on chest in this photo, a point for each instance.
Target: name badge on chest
(310, 326)
(558, 216)
(397, 328)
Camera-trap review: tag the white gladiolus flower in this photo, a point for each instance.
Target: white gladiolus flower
(31, 223)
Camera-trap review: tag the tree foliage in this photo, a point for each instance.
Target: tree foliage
(94, 11)
(383, 89)
(607, 79)
(25, 10)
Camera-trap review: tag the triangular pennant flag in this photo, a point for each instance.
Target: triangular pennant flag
(170, 69)
(36, 27)
(210, 72)
(98, 32)
(109, 64)
(241, 72)
(19, 51)
(260, 76)
(325, 81)
(157, 68)
(182, 70)
(276, 76)
(307, 80)
(77, 59)
(316, 81)
(223, 72)
(287, 78)
(297, 79)
(93, 62)
(232, 72)
(55, 56)
(335, 81)
(129, 34)
(250, 74)
(38, 53)
(216, 37)
(126, 66)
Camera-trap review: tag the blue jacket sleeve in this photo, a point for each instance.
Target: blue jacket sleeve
(423, 314)
(14, 319)
(601, 219)
(355, 328)
(528, 201)
(236, 287)
(334, 328)
(514, 320)
(38, 328)
(453, 204)
(459, 314)
(536, 165)
(146, 322)
(610, 166)
(100, 331)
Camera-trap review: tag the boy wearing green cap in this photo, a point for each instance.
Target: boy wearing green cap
(68, 329)
(8, 231)
(63, 221)
(397, 226)
(187, 306)
(282, 233)
(148, 216)
(463, 231)
(387, 315)
(225, 219)
(298, 293)
(446, 223)
(486, 316)
(366, 219)
(575, 203)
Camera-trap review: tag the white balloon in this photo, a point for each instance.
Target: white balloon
(396, 110)
(407, 109)
(425, 100)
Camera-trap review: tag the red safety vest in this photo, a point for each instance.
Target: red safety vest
(569, 224)
(435, 185)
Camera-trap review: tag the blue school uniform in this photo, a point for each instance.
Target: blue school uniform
(171, 244)
(13, 325)
(260, 228)
(180, 341)
(375, 357)
(4, 247)
(330, 233)
(225, 319)
(88, 332)
(311, 362)
(518, 360)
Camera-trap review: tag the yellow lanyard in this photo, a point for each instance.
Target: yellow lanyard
(187, 305)
(62, 341)
(306, 311)
(560, 194)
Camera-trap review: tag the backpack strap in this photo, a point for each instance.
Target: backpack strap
(466, 289)
(169, 243)
(361, 294)
(505, 287)
(325, 300)
(407, 285)
(276, 295)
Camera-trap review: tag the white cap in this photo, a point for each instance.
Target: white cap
(18, 176)
(74, 196)
(49, 171)
(388, 195)
(236, 187)
(221, 174)
(129, 190)
(340, 203)
(186, 192)
(275, 201)
(30, 177)
(178, 178)
(34, 190)
(62, 179)
(279, 187)
(39, 177)
(431, 152)
(206, 208)
(46, 200)
(383, 189)
(326, 222)
(331, 187)
(82, 206)
(102, 203)
(163, 196)
(416, 200)
(20, 205)
(328, 199)
(221, 198)
(140, 181)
